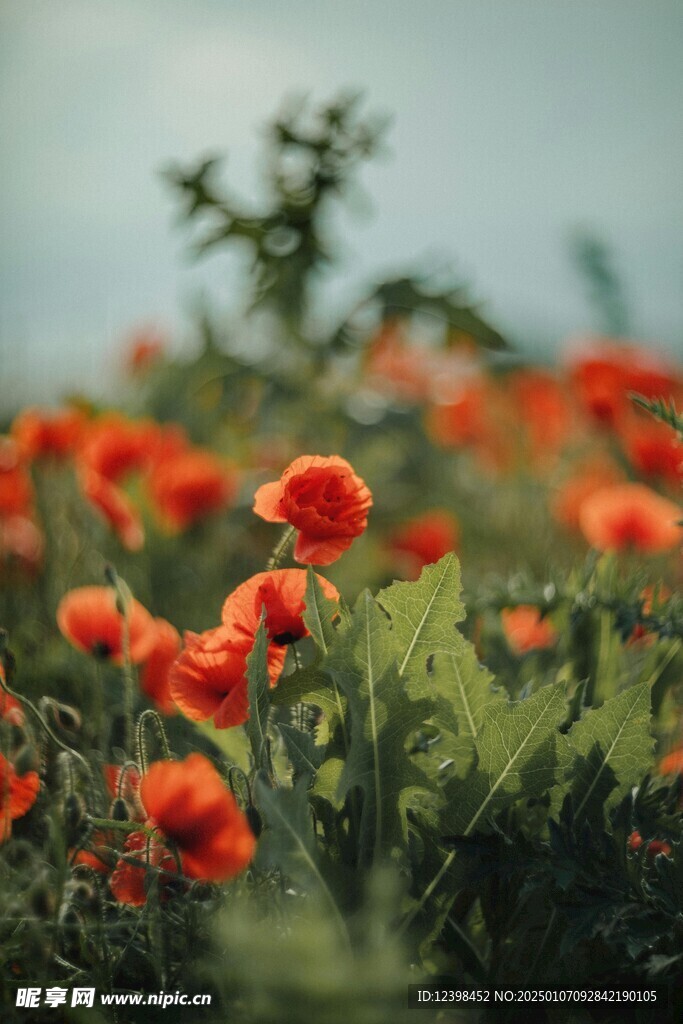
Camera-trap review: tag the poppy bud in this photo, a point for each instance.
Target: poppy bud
(73, 812)
(254, 819)
(42, 900)
(657, 846)
(26, 760)
(119, 810)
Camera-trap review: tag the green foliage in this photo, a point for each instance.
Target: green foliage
(613, 750)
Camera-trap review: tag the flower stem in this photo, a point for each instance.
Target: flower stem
(280, 549)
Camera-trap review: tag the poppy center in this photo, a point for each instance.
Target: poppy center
(101, 649)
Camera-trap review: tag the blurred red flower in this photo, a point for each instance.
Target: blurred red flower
(128, 882)
(89, 619)
(41, 433)
(425, 539)
(630, 516)
(114, 505)
(525, 630)
(144, 350)
(154, 678)
(189, 802)
(17, 795)
(282, 591)
(566, 501)
(672, 763)
(603, 372)
(324, 500)
(654, 449)
(21, 543)
(114, 445)
(16, 489)
(189, 485)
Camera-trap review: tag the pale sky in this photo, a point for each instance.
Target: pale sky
(514, 122)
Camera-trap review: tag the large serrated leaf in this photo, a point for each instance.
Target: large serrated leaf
(258, 691)
(302, 750)
(520, 753)
(310, 685)
(613, 748)
(424, 615)
(319, 613)
(463, 689)
(384, 713)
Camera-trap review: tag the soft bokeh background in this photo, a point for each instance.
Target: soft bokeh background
(513, 126)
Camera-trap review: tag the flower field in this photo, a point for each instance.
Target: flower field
(335, 662)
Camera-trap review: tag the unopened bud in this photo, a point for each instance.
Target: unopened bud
(26, 760)
(119, 810)
(254, 819)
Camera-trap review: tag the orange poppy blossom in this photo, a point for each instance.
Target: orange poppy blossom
(11, 710)
(654, 450)
(145, 349)
(566, 499)
(604, 371)
(322, 498)
(424, 539)
(89, 619)
(17, 795)
(21, 543)
(189, 804)
(114, 446)
(128, 882)
(282, 593)
(16, 489)
(114, 506)
(209, 677)
(154, 677)
(55, 434)
(525, 630)
(542, 404)
(186, 486)
(652, 848)
(672, 763)
(630, 515)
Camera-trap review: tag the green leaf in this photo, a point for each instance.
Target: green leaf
(310, 685)
(319, 613)
(614, 749)
(303, 752)
(424, 614)
(258, 691)
(520, 753)
(385, 712)
(288, 842)
(463, 690)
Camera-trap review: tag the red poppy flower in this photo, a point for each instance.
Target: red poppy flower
(89, 619)
(128, 881)
(324, 500)
(10, 709)
(17, 795)
(654, 450)
(190, 804)
(21, 543)
(282, 591)
(672, 764)
(567, 500)
(425, 539)
(630, 516)
(42, 434)
(114, 506)
(114, 446)
(209, 678)
(190, 485)
(154, 678)
(603, 372)
(16, 489)
(145, 349)
(525, 630)
(542, 405)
